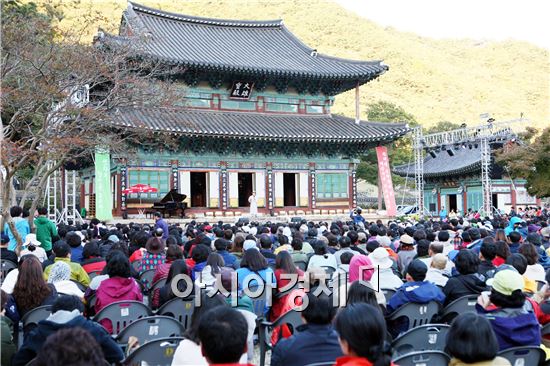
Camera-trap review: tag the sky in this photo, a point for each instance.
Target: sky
(526, 20)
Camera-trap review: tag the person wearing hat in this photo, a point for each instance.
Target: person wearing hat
(513, 225)
(406, 252)
(32, 246)
(383, 277)
(512, 318)
(60, 277)
(62, 252)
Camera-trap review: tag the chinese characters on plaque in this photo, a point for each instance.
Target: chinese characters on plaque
(241, 90)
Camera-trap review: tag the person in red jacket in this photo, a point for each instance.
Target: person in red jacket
(362, 331)
(92, 258)
(118, 287)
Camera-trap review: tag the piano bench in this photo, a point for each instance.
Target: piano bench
(149, 214)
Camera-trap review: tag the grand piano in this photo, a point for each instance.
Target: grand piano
(171, 203)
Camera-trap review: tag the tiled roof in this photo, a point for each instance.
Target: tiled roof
(254, 47)
(464, 161)
(258, 126)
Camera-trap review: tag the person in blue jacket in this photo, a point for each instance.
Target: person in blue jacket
(416, 290)
(513, 225)
(511, 315)
(355, 215)
(66, 313)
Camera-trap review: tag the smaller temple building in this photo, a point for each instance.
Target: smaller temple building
(454, 182)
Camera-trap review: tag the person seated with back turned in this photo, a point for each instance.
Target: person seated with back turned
(361, 332)
(468, 331)
(314, 341)
(62, 252)
(468, 281)
(511, 315)
(415, 290)
(223, 333)
(70, 347)
(66, 313)
(436, 273)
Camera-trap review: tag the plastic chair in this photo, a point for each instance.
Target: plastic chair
(7, 266)
(417, 314)
(122, 313)
(136, 265)
(423, 338)
(265, 328)
(388, 293)
(528, 355)
(35, 315)
(160, 283)
(461, 305)
(180, 309)
(147, 278)
(90, 304)
(301, 264)
(329, 270)
(260, 303)
(251, 323)
(157, 352)
(423, 358)
(150, 328)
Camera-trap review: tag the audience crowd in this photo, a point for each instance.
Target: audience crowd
(346, 277)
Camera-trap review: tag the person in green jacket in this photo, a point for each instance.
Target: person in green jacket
(45, 230)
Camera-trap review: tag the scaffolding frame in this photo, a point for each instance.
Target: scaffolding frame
(68, 185)
(484, 134)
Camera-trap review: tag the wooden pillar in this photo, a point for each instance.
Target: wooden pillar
(269, 187)
(438, 200)
(312, 186)
(123, 185)
(174, 178)
(465, 201)
(224, 185)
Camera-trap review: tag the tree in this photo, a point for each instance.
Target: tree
(529, 160)
(57, 94)
(400, 152)
(442, 126)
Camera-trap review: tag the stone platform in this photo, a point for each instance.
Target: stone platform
(258, 218)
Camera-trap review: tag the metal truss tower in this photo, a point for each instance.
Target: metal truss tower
(491, 132)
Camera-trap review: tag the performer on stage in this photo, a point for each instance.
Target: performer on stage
(253, 204)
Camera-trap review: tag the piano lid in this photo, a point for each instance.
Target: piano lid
(173, 196)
